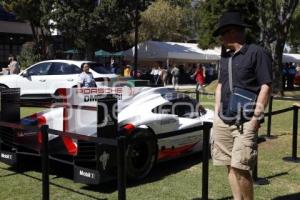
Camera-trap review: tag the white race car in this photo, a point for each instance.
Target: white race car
(167, 124)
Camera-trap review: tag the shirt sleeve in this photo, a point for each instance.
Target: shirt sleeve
(80, 79)
(263, 67)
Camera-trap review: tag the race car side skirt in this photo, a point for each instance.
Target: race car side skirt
(168, 153)
(178, 151)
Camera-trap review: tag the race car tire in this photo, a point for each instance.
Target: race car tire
(141, 155)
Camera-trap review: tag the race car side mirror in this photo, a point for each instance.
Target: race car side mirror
(25, 74)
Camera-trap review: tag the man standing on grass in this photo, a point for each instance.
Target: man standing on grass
(235, 145)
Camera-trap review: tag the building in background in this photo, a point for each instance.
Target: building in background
(13, 34)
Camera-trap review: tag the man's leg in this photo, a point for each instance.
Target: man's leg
(245, 183)
(234, 184)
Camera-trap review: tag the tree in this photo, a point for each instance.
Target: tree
(273, 17)
(33, 12)
(180, 3)
(163, 21)
(294, 34)
(210, 11)
(91, 24)
(78, 21)
(275, 26)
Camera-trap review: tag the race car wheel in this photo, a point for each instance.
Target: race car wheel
(141, 155)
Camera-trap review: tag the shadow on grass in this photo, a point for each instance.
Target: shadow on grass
(224, 198)
(266, 137)
(160, 171)
(295, 196)
(60, 170)
(277, 175)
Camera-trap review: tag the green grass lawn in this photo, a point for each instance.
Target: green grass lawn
(177, 179)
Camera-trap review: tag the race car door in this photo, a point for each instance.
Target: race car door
(165, 120)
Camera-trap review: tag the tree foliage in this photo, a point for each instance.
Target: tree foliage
(269, 20)
(181, 3)
(28, 55)
(79, 21)
(275, 26)
(33, 11)
(91, 25)
(208, 13)
(294, 34)
(163, 21)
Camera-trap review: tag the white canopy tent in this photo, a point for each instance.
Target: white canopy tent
(166, 51)
(290, 57)
(183, 52)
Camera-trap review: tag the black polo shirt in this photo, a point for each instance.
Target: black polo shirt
(251, 68)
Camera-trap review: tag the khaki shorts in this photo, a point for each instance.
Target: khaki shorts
(230, 147)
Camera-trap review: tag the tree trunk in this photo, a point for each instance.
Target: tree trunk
(89, 52)
(34, 33)
(277, 66)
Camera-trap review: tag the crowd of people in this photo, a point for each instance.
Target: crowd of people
(176, 74)
(289, 72)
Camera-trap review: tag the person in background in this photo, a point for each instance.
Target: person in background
(86, 78)
(175, 75)
(155, 74)
(127, 71)
(199, 76)
(164, 75)
(285, 68)
(209, 71)
(13, 66)
(291, 73)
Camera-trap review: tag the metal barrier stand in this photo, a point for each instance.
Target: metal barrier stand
(45, 162)
(205, 156)
(294, 157)
(295, 132)
(122, 168)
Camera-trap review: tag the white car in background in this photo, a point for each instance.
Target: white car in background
(43, 79)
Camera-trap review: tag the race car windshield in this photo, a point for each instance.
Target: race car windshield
(99, 68)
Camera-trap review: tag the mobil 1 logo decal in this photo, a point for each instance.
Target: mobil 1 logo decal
(85, 175)
(9, 158)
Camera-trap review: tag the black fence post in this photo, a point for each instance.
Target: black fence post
(295, 132)
(254, 171)
(45, 162)
(205, 154)
(270, 116)
(121, 168)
